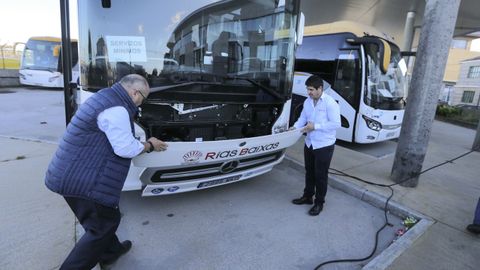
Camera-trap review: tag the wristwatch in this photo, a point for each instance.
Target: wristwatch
(151, 147)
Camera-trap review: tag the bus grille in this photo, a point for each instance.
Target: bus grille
(214, 169)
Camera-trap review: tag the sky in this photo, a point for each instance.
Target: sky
(21, 19)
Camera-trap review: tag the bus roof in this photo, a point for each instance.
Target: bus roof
(54, 39)
(45, 38)
(355, 28)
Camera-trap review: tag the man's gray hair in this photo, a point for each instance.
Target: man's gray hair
(133, 80)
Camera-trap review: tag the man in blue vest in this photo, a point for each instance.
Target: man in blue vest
(91, 164)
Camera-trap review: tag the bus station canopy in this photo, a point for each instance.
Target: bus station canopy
(388, 15)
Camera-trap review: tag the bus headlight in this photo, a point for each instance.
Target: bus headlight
(280, 128)
(372, 124)
(51, 79)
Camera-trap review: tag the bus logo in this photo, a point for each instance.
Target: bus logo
(229, 166)
(192, 156)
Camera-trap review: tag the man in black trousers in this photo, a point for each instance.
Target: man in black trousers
(91, 164)
(320, 119)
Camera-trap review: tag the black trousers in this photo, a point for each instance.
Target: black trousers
(99, 242)
(317, 163)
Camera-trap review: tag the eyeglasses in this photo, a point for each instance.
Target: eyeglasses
(144, 97)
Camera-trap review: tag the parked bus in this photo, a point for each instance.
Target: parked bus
(366, 74)
(221, 75)
(41, 63)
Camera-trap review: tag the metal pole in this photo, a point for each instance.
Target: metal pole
(409, 31)
(476, 142)
(435, 38)
(70, 100)
(3, 56)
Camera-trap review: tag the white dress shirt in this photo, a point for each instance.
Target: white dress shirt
(115, 122)
(326, 118)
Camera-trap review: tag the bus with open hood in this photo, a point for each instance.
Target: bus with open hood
(220, 72)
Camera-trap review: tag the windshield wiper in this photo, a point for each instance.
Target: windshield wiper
(263, 87)
(393, 99)
(222, 77)
(171, 86)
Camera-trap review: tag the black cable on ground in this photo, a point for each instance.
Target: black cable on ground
(340, 173)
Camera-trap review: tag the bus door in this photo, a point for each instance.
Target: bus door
(345, 90)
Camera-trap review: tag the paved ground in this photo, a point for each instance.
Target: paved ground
(35, 222)
(247, 225)
(32, 113)
(447, 194)
(36, 228)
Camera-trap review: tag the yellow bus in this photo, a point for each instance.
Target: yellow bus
(41, 63)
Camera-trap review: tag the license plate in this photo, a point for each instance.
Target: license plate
(218, 181)
(390, 134)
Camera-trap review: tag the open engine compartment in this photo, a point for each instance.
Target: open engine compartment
(209, 111)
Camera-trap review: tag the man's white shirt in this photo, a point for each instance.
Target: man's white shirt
(326, 118)
(115, 123)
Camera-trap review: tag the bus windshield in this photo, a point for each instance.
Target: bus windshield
(40, 55)
(385, 91)
(232, 43)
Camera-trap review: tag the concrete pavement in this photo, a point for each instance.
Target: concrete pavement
(247, 225)
(36, 228)
(447, 194)
(36, 222)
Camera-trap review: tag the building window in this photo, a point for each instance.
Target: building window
(474, 72)
(467, 96)
(459, 44)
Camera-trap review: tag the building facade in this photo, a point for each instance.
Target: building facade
(467, 89)
(460, 50)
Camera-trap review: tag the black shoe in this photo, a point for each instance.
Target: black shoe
(315, 210)
(127, 245)
(474, 228)
(303, 200)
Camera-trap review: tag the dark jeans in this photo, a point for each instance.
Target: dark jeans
(317, 163)
(99, 242)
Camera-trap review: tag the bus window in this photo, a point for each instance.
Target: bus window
(384, 90)
(347, 75)
(330, 57)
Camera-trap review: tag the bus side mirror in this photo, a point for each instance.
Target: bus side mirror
(383, 48)
(56, 51)
(300, 28)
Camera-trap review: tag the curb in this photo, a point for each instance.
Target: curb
(392, 252)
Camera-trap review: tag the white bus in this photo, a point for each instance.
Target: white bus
(366, 73)
(41, 63)
(221, 75)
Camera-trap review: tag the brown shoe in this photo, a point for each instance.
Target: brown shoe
(303, 200)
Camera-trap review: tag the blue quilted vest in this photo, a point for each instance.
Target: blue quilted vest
(84, 164)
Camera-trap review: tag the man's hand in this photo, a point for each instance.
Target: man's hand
(157, 144)
(309, 127)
